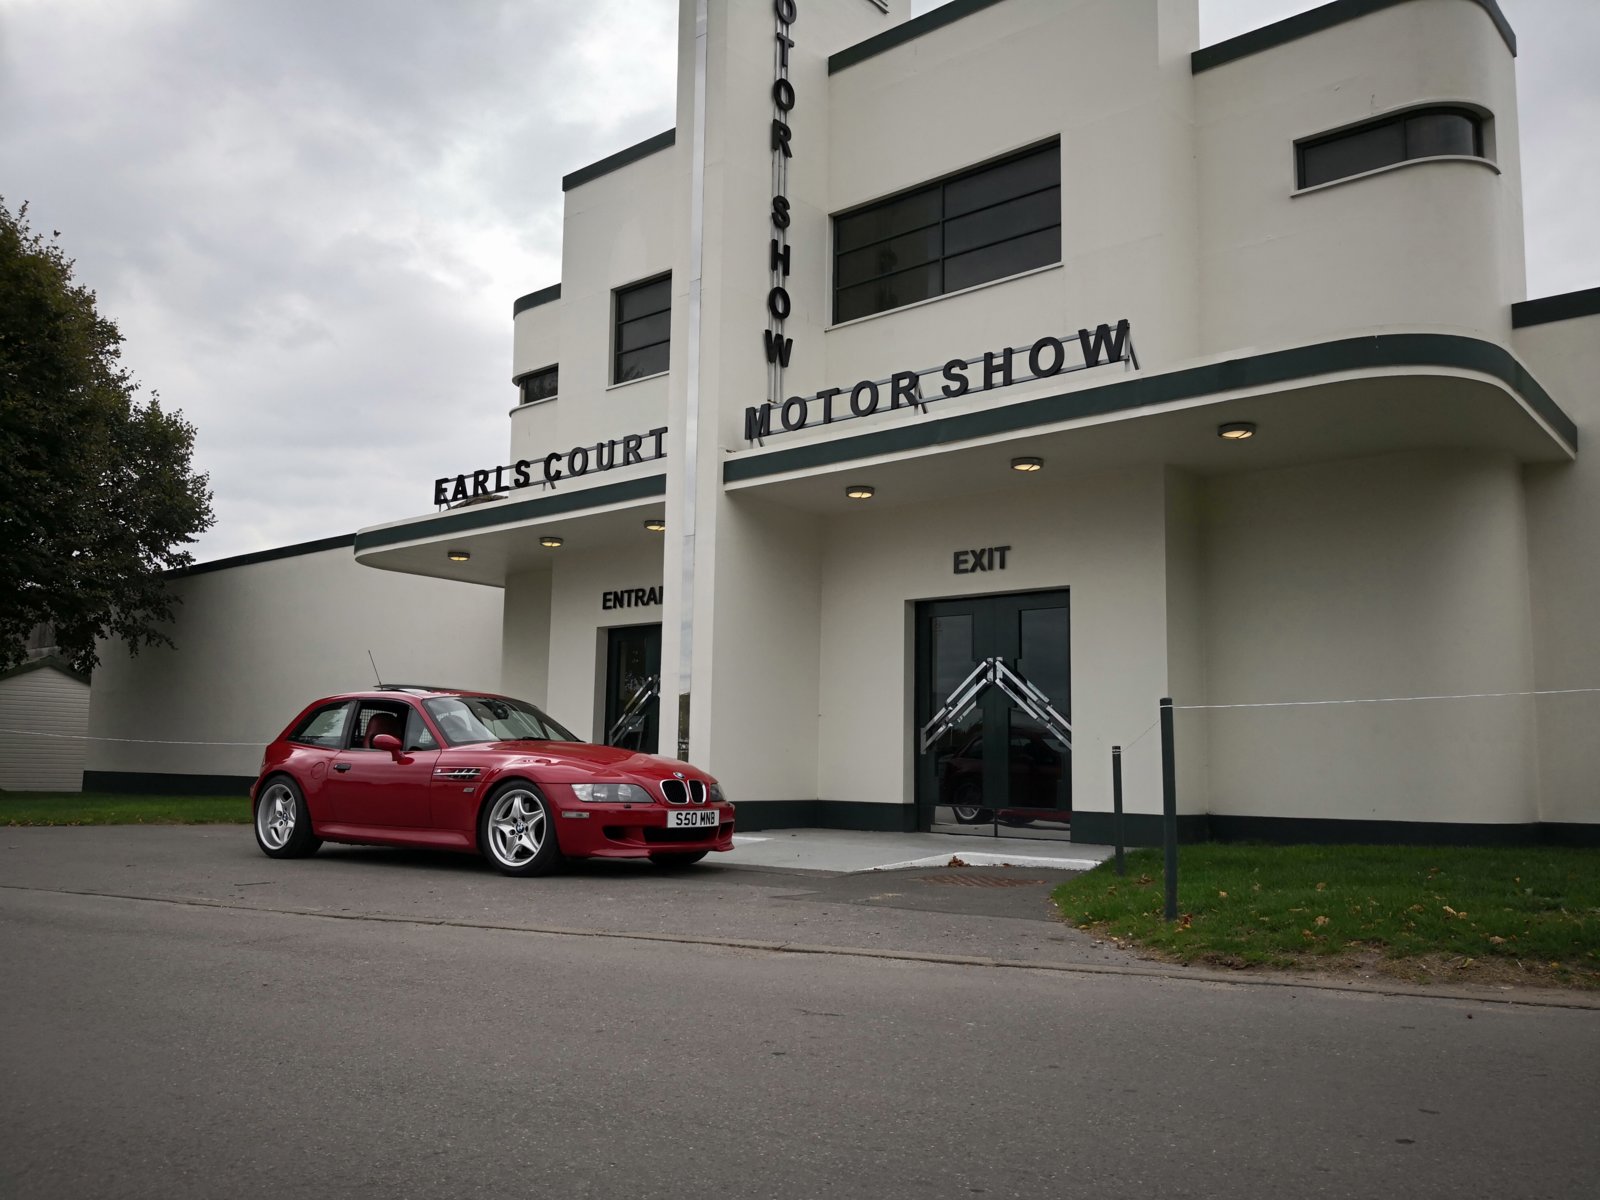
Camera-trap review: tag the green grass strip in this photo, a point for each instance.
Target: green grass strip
(1532, 909)
(88, 808)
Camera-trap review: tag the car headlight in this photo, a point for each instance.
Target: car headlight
(716, 796)
(610, 793)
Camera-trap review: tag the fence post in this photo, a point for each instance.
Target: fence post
(1169, 808)
(1116, 804)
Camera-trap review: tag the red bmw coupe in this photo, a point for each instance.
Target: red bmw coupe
(455, 770)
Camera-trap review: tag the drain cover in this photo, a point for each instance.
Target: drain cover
(990, 881)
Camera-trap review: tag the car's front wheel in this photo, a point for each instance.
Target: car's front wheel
(516, 831)
(283, 826)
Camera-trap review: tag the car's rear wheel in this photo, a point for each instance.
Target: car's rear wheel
(676, 860)
(283, 826)
(516, 831)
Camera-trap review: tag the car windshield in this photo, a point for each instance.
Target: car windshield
(467, 719)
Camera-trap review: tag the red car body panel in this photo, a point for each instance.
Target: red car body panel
(432, 798)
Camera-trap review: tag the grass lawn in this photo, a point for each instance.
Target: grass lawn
(1480, 914)
(89, 808)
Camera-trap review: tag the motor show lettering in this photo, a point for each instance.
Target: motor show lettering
(624, 451)
(779, 303)
(1047, 357)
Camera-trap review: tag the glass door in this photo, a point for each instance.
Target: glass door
(994, 735)
(633, 687)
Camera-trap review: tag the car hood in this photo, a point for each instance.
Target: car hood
(584, 760)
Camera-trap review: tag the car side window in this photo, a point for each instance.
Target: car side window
(418, 736)
(324, 727)
(374, 717)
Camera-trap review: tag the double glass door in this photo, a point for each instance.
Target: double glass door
(993, 712)
(633, 687)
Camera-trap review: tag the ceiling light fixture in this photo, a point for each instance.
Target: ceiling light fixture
(860, 491)
(458, 555)
(549, 543)
(1028, 463)
(1236, 431)
(656, 525)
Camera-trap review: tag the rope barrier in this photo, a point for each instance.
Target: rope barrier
(84, 737)
(1388, 699)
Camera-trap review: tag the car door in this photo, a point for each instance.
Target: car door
(375, 789)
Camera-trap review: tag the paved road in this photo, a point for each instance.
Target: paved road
(152, 1048)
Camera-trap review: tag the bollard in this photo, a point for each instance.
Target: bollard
(1116, 804)
(1169, 808)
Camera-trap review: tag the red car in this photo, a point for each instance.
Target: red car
(470, 771)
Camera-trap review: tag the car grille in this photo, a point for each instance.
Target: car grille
(677, 791)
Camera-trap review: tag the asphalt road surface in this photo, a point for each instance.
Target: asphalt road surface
(183, 1045)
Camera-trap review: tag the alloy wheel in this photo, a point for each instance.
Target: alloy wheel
(518, 825)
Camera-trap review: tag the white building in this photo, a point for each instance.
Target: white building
(913, 236)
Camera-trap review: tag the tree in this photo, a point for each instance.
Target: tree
(97, 498)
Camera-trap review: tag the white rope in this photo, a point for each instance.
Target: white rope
(1389, 699)
(83, 737)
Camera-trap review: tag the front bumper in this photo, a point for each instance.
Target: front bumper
(637, 830)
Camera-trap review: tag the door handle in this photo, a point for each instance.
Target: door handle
(341, 766)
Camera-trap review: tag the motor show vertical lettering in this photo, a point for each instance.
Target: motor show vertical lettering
(779, 303)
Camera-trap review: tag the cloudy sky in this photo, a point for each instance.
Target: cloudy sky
(310, 217)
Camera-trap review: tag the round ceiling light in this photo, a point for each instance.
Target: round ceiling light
(549, 543)
(860, 491)
(1236, 431)
(458, 555)
(1027, 463)
(656, 525)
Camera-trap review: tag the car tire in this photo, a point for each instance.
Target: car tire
(677, 860)
(517, 830)
(966, 812)
(281, 820)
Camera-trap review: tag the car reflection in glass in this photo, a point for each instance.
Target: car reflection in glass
(1036, 764)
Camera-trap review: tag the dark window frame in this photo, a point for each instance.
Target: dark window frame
(1478, 119)
(936, 229)
(619, 297)
(522, 381)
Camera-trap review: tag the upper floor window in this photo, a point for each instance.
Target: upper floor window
(996, 220)
(1420, 133)
(538, 385)
(643, 335)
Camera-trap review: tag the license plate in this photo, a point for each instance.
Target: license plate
(692, 818)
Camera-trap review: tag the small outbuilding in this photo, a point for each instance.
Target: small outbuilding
(44, 723)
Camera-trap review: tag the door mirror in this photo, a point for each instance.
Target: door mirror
(387, 741)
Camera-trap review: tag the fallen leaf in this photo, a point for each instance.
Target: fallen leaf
(1450, 910)
(1223, 895)
(1497, 941)
(955, 862)
(1322, 887)
(1322, 921)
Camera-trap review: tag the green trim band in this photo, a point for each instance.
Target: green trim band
(482, 517)
(159, 783)
(533, 299)
(752, 815)
(615, 162)
(1142, 391)
(261, 556)
(1317, 20)
(1555, 308)
(906, 31)
(1144, 829)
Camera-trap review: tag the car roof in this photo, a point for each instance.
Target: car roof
(417, 689)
